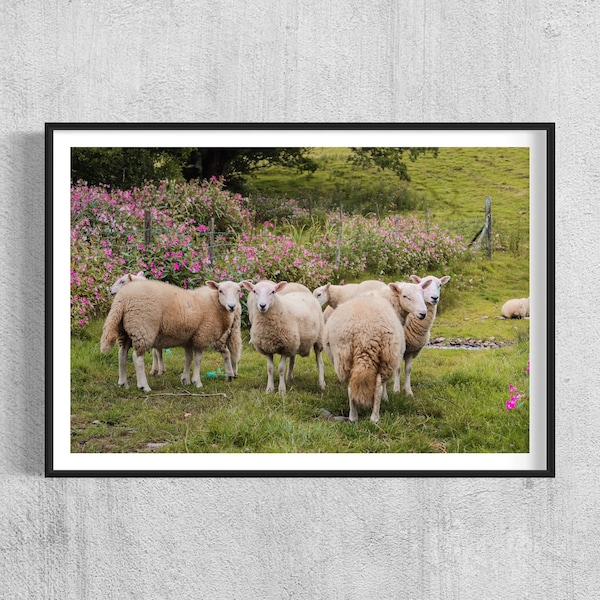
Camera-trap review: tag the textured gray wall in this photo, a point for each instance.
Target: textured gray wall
(281, 60)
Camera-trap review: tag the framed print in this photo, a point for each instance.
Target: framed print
(348, 300)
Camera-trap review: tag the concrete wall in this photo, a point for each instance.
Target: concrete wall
(281, 60)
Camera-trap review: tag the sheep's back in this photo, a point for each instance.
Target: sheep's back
(364, 330)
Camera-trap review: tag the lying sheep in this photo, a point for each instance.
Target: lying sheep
(518, 308)
(158, 364)
(334, 295)
(284, 324)
(364, 338)
(154, 314)
(417, 331)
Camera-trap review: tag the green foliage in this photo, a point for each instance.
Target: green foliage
(388, 158)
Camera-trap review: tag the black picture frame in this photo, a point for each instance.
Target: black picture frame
(60, 138)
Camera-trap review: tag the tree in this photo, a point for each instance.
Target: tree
(131, 167)
(388, 158)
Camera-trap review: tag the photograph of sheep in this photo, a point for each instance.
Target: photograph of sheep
(295, 299)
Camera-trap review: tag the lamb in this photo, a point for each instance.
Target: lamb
(158, 364)
(154, 314)
(417, 331)
(285, 324)
(334, 295)
(517, 308)
(364, 338)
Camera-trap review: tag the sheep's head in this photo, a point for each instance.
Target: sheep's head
(229, 293)
(431, 291)
(321, 294)
(411, 298)
(264, 292)
(124, 279)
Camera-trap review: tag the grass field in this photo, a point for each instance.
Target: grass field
(460, 395)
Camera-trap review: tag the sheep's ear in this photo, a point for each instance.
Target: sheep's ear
(140, 274)
(426, 284)
(279, 286)
(327, 286)
(395, 287)
(415, 279)
(247, 285)
(212, 285)
(445, 279)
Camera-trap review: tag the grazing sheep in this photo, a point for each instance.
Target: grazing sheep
(334, 295)
(154, 314)
(284, 324)
(364, 338)
(517, 308)
(417, 331)
(158, 364)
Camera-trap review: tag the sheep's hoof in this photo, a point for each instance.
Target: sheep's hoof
(185, 380)
(125, 385)
(230, 378)
(146, 388)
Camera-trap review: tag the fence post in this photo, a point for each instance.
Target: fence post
(488, 223)
(147, 228)
(211, 241)
(338, 253)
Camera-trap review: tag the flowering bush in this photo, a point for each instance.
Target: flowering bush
(108, 238)
(517, 398)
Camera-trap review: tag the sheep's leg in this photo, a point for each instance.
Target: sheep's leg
(185, 376)
(289, 379)
(396, 387)
(320, 368)
(123, 351)
(270, 373)
(377, 400)
(158, 365)
(407, 370)
(227, 361)
(197, 361)
(282, 388)
(140, 371)
(384, 394)
(353, 416)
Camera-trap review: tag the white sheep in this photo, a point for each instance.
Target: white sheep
(417, 331)
(364, 338)
(154, 314)
(334, 295)
(285, 324)
(124, 279)
(288, 289)
(517, 308)
(158, 364)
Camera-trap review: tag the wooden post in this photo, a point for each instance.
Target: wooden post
(147, 228)
(488, 225)
(338, 253)
(211, 241)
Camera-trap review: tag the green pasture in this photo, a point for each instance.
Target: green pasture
(460, 395)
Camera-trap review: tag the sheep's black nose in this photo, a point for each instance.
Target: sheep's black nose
(422, 315)
(231, 307)
(262, 306)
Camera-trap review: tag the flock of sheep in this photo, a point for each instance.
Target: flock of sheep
(366, 329)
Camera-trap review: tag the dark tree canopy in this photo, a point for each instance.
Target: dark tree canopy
(131, 167)
(388, 158)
